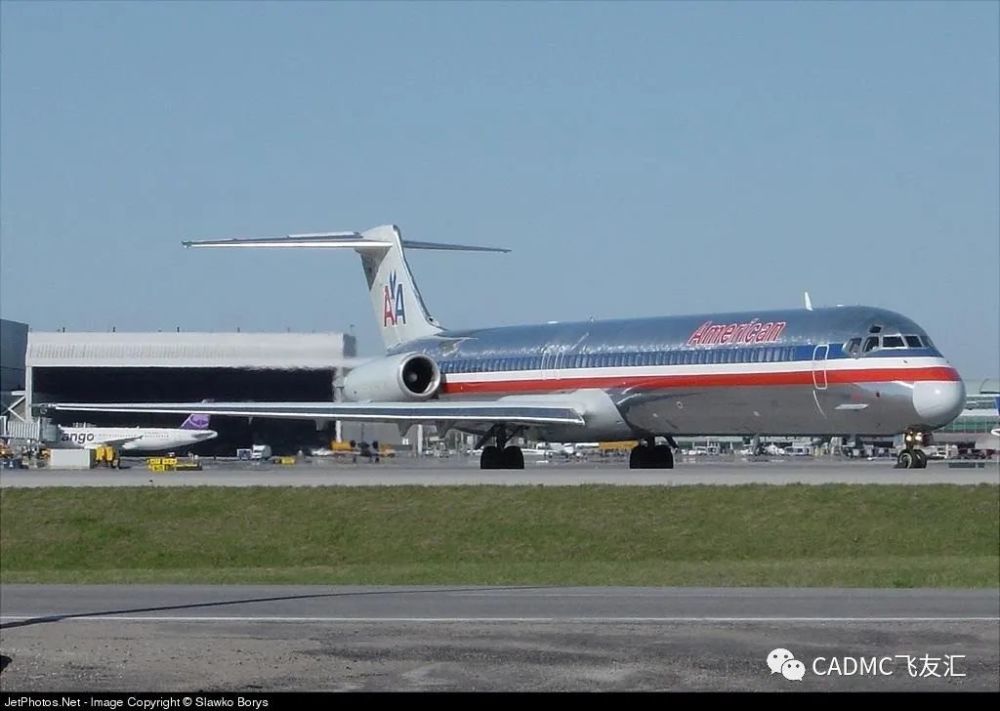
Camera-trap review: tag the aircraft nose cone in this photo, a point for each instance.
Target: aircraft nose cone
(938, 403)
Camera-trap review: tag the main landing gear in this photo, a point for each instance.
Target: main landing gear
(649, 455)
(911, 457)
(500, 455)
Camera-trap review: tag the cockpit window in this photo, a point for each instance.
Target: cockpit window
(876, 342)
(875, 329)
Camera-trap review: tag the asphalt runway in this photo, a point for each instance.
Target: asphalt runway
(479, 638)
(466, 473)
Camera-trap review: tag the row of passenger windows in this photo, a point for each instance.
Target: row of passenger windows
(615, 360)
(874, 343)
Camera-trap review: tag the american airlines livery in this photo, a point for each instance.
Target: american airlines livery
(138, 439)
(845, 371)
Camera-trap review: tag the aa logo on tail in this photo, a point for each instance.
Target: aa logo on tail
(393, 308)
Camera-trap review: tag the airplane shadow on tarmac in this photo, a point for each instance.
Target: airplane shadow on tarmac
(222, 603)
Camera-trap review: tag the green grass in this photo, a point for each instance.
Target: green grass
(837, 535)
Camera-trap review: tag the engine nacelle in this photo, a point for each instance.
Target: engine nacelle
(410, 376)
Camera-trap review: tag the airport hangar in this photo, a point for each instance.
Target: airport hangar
(193, 366)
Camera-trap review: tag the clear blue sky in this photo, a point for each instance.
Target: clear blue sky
(640, 159)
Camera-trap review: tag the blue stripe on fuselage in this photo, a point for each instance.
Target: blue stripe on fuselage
(720, 355)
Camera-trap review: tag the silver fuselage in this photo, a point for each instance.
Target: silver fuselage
(793, 372)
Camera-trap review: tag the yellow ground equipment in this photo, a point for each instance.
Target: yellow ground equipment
(106, 456)
(161, 464)
(7, 459)
(617, 447)
(172, 464)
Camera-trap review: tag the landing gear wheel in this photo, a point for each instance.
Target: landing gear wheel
(491, 458)
(904, 460)
(645, 457)
(512, 458)
(919, 459)
(663, 457)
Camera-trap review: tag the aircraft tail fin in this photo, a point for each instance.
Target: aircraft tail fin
(196, 421)
(399, 309)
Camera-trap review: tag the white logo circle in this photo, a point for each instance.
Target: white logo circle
(793, 670)
(776, 658)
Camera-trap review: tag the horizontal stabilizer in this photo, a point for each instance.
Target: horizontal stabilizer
(410, 244)
(351, 240)
(399, 310)
(336, 240)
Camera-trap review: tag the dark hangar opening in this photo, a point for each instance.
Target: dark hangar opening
(82, 384)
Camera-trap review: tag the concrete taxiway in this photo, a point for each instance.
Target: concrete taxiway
(481, 638)
(419, 473)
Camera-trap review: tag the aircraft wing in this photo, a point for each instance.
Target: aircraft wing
(112, 442)
(524, 413)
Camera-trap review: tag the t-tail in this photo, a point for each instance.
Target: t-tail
(195, 422)
(399, 310)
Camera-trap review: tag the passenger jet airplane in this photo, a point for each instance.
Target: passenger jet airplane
(847, 371)
(138, 439)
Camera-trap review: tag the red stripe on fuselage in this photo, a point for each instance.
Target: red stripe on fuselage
(705, 380)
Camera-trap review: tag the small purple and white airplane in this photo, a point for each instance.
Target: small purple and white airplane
(138, 439)
(845, 371)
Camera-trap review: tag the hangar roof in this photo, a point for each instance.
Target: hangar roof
(282, 351)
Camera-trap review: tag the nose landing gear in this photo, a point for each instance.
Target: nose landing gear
(912, 457)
